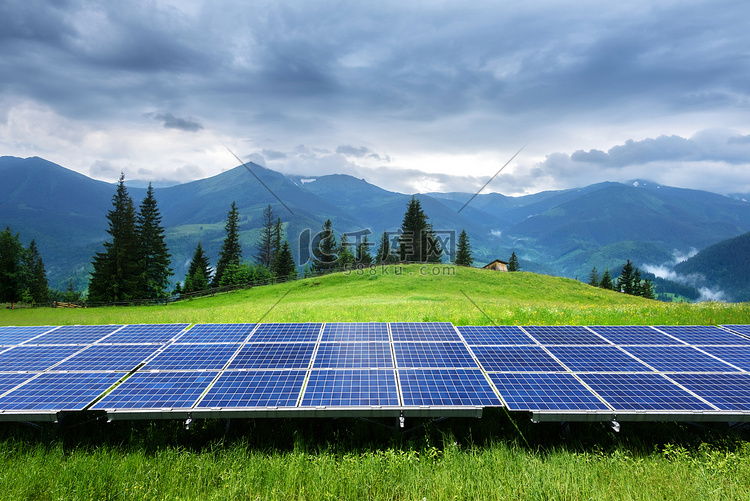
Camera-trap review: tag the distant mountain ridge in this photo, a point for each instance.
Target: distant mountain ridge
(563, 232)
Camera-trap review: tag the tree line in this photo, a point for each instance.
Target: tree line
(629, 281)
(22, 274)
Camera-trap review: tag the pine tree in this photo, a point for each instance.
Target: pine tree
(647, 289)
(116, 270)
(418, 242)
(37, 276)
(385, 253)
(606, 282)
(363, 253)
(230, 254)
(636, 282)
(13, 273)
(463, 250)
(513, 264)
(345, 257)
(284, 267)
(594, 277)
(154, 255)
(267, 243)
(199, 271)
(324, 253)
(625, 281)
(278, 235)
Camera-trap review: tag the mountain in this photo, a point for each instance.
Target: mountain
(564, 232)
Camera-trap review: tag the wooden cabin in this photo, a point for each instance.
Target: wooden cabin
(497, 265)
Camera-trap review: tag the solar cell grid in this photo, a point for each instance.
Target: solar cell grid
(247, 389)
(193, 357)
(286, 333)
(704, 335)
(495, 335)
(446, 387)
(728, 392)
(738, 356)
(74, 334)
(351, 387)
(356, 332)
(564, 335)
(741, 328)
(10, 381)
(678, 359)
(428, 331)
(550, 391)
(157, 390)
(642, 392)
(59, 392)
(34, 358)
(273, 356)
(353, 355)
(424, 355)
(108, 358)
(216, 333)
(516, 358)
(635, 335)
(10, 335)
(597, 359)
(145, 333)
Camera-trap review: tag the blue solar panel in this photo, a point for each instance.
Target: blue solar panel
(273, 356)
(59, 392)
(145, 333)
(10, 381)
(704, 335)
(678, 359)
(75, 334)
(446, 387)
(516, 358)
(741, 328)
(356, 332)
(642, 392)
(10, 335)
(428, 331)
(635, 335)
(353, 355)
(351, 387)
(597, 359)
(286, 333)
(728, 392)
(564, 334)
(193, 357)
(217, 333)
(424, 355)
(109, 358)
(34, 358)
(534, 392)
(246, 389)
(157, 390)
(495, 335)
(738, 356)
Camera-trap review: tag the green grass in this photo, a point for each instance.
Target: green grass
(500, 456)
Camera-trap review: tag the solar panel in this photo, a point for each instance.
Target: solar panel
(446, 387)
(244, 389)
(145, 333)
(10, 381)
(597, 359)
(742, 329)
(193, 357)
(635, 335)
(678, 359)
(216, 333)
(157, 390)
(356, 332)
(495, 335)
(108, 358)
(739, 356)
(353, 355)
(424, 355)
(704, 335)
(273, 356)
(545, 391)
(428, 331)
(563, 334)
(34, 358)
(286, 333)
(59, 392)
(642, 392)
(75, 334)
(725, 391)
(351, 388)
(516, 358)
(10, 335)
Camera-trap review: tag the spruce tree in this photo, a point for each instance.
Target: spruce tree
(513, 264)
(278, 235)
(13, 273)
(463, 250)
(418, 242)
(647, 289)
(324, 253)
(363, 253)
(38, 286)
(636, 282)
(267, 243)
(154, 255)
(594, 277)
(345, 257)
(384, 254)
(230, 254)
(284, 267)
(116, 270)
(606, 282)
(199, 271)
(625, 281)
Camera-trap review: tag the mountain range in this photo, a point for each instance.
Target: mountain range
(565, 232)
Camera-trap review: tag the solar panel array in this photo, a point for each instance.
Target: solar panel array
(371, 369)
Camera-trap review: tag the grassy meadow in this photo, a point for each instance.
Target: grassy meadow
(500, 456)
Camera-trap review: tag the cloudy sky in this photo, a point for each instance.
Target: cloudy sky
(412, 96)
